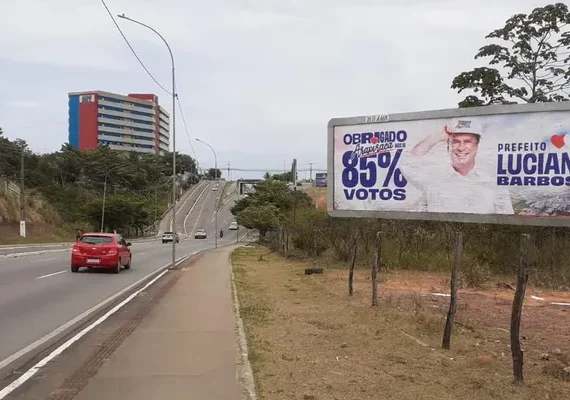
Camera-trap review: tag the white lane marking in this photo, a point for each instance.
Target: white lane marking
(70, 323)
(140, 254)
(53, 274)
(42, 260)
(185, 201)
(221, 208)
(200, 213)
(34, 370)
(191, 209)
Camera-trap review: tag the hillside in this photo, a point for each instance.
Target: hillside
(43, 222)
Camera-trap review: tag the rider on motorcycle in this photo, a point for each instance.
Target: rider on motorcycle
(221, 232)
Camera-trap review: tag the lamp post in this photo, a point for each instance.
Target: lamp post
(215, 178)
(104, 197)
(123, 16)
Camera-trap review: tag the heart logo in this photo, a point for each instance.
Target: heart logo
(558, 141)
(374, 140)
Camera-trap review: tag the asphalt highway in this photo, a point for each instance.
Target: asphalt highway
(38, 292)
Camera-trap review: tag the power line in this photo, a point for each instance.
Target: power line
(132, 49)
(186, 128)
(152, 77)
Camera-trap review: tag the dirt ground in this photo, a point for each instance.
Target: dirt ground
(309, 340)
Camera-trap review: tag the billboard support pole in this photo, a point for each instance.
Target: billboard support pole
(446, 343)
(522, 279)
(351, 269)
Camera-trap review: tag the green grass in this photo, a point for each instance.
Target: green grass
(57, 235)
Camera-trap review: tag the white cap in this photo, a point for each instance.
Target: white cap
(464, 125)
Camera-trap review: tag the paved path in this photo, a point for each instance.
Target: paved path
(185, 347)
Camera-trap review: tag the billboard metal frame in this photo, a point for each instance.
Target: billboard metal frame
(439, 114)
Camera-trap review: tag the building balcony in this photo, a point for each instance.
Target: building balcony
(126, 106)
(131, 148)
(125, 132)
(125, 139)
(126, 123)
(128, 114)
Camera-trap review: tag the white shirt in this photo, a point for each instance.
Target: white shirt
(442, 189)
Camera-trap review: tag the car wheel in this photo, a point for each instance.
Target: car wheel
(163, 242)
(74, 268)
(128, 266)
(117, 268)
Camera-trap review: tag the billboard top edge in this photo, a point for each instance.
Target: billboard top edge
(451, 113)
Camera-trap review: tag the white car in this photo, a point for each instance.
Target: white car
(233, 226)
(200, 234)
(169, 237)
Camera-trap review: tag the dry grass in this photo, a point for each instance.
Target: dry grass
(309, 340)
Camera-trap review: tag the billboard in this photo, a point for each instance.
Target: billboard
(494, 164)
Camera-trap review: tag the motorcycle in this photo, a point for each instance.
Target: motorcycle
(221, 233)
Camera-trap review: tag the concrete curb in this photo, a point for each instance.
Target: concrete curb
(31, 253)
(244, 371)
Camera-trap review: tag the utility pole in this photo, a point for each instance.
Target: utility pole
(22, 197)
(311, 172)
(229, 171)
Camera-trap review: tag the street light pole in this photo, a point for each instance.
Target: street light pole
(123, 16)
(104, 197)
(215, 203)
(22, 196)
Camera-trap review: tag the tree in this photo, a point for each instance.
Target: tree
(277, 194)
(213, 173)
(534, 59)
(72, 181)
(263, 218)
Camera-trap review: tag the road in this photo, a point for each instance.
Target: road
(38, 293)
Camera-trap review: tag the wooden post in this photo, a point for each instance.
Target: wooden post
(375, 267)
(446, 343)
(522, 279)
(552, 248)
(351, 270)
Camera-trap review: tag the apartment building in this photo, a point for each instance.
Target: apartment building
(135, 122)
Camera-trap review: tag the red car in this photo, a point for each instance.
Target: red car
(101, 250)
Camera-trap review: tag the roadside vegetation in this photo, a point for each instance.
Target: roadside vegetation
(290, 224)
(65, 188)
(308, 339)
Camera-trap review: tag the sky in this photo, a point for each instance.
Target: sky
(258, 79)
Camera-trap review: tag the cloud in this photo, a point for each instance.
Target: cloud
(258, 79)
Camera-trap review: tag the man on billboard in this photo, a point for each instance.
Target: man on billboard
(464, 185)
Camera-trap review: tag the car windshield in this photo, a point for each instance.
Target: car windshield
(168, 233)
(96, 239)
(200, 231)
